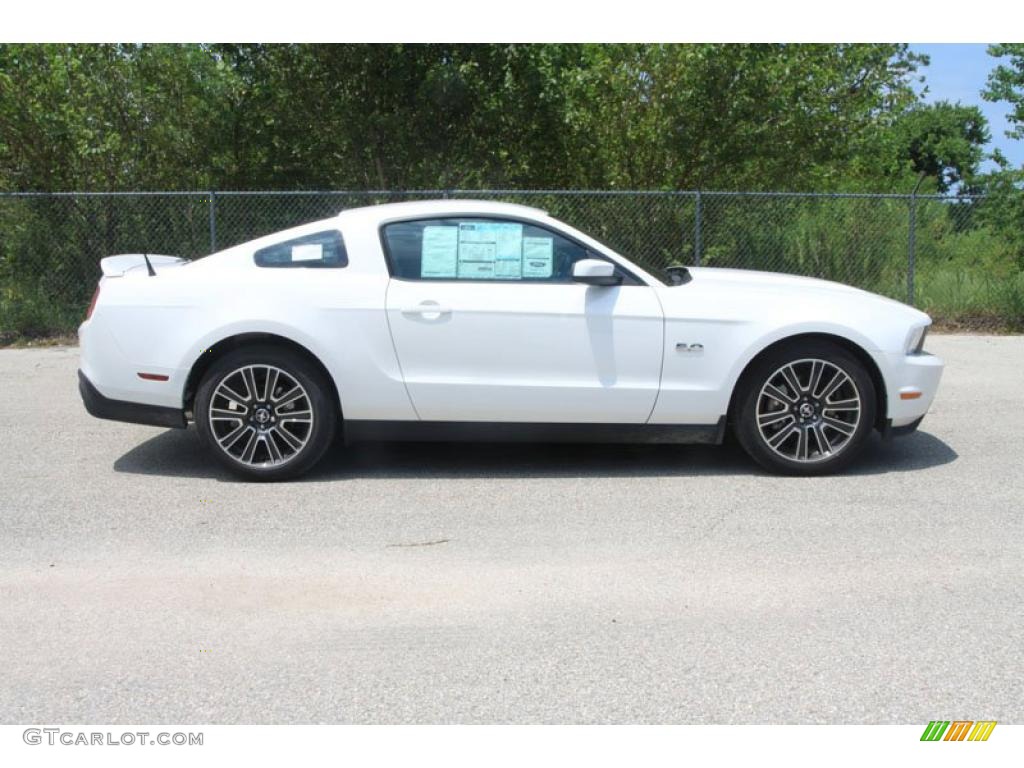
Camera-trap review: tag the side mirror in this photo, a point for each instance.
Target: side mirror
(595, 272)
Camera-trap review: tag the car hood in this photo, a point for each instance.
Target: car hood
(760, 296)
(745, 278)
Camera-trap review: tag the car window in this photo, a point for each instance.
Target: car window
(322, 249)
(481, 249)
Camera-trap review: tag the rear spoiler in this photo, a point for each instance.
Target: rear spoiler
(122, 264)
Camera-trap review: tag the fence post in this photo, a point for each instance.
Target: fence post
(911, 246)
(912, 241)
(697, 244)
(213, 221)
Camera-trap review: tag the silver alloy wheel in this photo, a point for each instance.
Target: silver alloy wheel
(261, 416)
(808, 410)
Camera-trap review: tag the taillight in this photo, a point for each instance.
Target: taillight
(92, 304)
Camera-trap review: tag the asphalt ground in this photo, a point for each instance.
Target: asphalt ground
(511, 583)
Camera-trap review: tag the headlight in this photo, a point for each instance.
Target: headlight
(915, 340)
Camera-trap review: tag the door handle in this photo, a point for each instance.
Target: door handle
(429, 310)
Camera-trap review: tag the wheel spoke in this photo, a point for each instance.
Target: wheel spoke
(781, 436)
(824, 446)
(836, 382)
(289, 397)
(232, 437)
(802, 444)
(777, 394)
(221, 414)
(249, 448)
(229, 394)
(249, 378)
(817, 368)
(275, 452)
(792, 381)
(292, 441)
(271, 383)
(773, 417)
(839, 426)
(284, 426)
(850, 404)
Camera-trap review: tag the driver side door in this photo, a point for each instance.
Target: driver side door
(489, 326)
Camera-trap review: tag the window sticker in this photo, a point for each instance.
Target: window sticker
(308, 252)
(490, 250)
(439, 253)
(509, 257)
(538, 256)
(476, 260)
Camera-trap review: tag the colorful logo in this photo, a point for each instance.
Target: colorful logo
(958, 730)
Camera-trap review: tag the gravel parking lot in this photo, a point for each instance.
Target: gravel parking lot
(496, 583)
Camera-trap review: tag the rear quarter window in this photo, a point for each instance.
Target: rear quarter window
(322, 249)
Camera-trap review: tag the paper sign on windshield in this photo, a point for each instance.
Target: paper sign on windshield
(308, 252)
(509, 257)
(439, 254)
(538, 256)
(484, 250)
(490, 250)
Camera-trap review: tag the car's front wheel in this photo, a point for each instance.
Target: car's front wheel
(805, 409)
(266, 412)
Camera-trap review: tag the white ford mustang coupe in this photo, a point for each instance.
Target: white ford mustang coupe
(456, 319)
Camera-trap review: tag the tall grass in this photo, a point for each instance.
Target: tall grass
(955, 296)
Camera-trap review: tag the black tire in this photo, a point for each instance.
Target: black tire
(787, 422)
(274, 428)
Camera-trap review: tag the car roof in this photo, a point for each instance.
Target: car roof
(415, 208)
(376, 215)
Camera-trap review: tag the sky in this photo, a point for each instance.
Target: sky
(958, 72)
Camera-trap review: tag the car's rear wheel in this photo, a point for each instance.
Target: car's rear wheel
(805, 409)
(266, 412)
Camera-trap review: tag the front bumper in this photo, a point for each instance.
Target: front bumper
(913, 382)
(121, 410)
(889, 431)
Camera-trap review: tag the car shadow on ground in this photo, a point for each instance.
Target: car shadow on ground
(181, 453)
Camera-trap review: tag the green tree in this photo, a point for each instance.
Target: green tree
(1003, 209)
(110, 116)
(1006, 83)
(662, 116)
(403, 116)
(742, 116)
(942, 141)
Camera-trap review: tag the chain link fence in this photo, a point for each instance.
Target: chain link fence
(51, 243)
